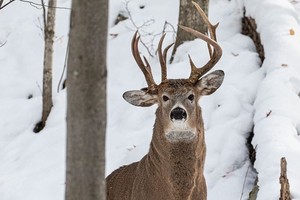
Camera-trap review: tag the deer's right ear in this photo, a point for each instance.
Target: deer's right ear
(140, 98)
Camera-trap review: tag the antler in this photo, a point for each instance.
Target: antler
(146, 69)
(163, 58)
(215, 56)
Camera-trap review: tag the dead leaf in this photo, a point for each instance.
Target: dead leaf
(292, 32)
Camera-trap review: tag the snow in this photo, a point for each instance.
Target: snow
(255, 96)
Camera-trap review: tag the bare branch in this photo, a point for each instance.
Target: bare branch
(138, 27)
(172, 27)
(64, 69)
(1, 2)
(40, 6)
(39, 87)
(2, 44)
(44, 18)
(244, 183)
(149, 46)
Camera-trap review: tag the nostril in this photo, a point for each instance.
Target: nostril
(178, 114)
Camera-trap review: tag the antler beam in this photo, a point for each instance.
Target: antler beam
(163, 58)
(215, 56)
(146, 69)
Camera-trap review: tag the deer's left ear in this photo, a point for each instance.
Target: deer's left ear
(210, 83)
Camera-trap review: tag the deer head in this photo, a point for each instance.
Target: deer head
(177, 99)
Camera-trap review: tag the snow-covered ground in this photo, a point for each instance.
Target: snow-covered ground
(255, 96)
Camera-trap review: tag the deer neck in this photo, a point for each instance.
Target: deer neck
(179, 164)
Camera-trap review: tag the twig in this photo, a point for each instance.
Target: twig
(164, 31)
(2, 44)
(268, 113)
(39, 87)
(65, 66)
(246, 178)
(173, 28)
(41, 5)
(40, 26)
(149, 46)
(1, 7)
(44, 18)
(138, 27)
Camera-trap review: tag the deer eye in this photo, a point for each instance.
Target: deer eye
(165, 98)
(191, 97)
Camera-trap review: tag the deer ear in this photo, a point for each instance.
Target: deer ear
(140, 98)
(210, 83)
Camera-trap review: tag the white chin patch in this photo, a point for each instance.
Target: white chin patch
(179, 132)
(180, 136)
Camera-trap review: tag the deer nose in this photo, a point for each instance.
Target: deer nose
(178, 114)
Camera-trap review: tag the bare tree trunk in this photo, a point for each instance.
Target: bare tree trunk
(49, 26)
(188, 16)
(86, 100)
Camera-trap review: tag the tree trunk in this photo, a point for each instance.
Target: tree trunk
(48, 58)
(188, 16)
(86, 101)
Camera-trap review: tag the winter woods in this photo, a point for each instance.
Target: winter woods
(256, 108)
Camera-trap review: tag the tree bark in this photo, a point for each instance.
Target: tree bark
(249, 29)
(86, 101)
(48, 58)
(188, 16)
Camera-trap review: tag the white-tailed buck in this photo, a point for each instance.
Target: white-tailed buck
(173, 167)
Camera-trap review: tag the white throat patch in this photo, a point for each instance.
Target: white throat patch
(179, 131)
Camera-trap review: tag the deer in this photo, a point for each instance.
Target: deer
(173, 169)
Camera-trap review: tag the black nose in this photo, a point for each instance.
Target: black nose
(178, 114)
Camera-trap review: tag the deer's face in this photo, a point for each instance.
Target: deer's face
(178, 112)
(177, 109)
(177, 100)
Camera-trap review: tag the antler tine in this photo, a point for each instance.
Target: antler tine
(211, 28)
(215, 56)
(146, 69)
(196, 73)
(163, 57)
